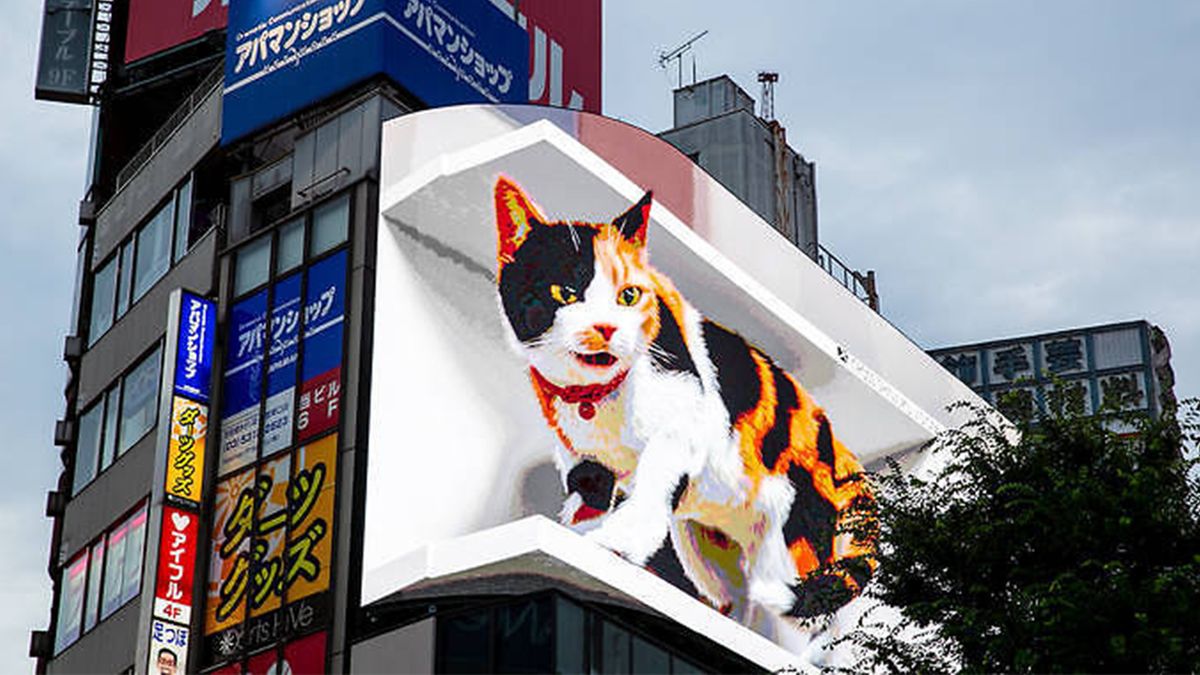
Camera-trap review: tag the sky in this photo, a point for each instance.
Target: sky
(1006, 167)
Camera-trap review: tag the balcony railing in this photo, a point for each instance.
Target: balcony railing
(177, 118)
(860, 284)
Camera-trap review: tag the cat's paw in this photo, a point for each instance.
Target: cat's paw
(630, 536)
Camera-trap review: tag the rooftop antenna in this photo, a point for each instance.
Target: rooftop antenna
(768, 80)
(677, 53)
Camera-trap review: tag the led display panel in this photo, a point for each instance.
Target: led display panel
(574, 323)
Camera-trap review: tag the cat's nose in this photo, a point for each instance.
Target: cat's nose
(605, 330)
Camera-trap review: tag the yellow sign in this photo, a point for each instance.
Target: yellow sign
(185, 452)
(310, 539)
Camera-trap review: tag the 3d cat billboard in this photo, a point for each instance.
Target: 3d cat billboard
(565, 328)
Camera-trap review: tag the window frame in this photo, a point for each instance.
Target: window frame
(125, 257)
(111, 403)
(93, 608)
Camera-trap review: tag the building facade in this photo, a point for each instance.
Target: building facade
(253, 201)
(1124, 366)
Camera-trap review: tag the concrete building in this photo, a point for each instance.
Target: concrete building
(716, 126)
(1127, 365)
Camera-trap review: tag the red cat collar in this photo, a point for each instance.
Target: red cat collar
(586, 395)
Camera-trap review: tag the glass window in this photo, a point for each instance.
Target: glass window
(134, 543)
(87, 446)
(253, 265)
(139, 401)
(103, 285)
(331, 223)
(464, 643)
(648, 658)
(183, 219)
(291, 246)
(614, 649)
(91, 607)
(524, 637)
(108, 443)
(124, 278)
(153, 257)
(70, 601)
(570, 637)
(114, 571)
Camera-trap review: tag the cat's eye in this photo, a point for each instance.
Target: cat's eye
(563, 295)
(629, 296)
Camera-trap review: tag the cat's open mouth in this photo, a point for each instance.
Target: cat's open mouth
(601, 359)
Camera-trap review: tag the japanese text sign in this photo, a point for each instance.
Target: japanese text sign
(176, 565)
(194, 352)
(282, 55)
(185, 451)
(168, 647)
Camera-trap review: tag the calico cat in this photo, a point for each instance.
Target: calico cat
(672, 427)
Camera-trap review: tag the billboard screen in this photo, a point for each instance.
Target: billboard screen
(282, 55)
(571, 332)
(157, 25)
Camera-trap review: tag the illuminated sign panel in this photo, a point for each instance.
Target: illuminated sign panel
(272, 545)
(563, 303)
(193, 368)
(177, 558)
(186, 451)
(282, 55)
(565, 54)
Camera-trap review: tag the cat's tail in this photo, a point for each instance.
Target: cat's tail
(828, 588)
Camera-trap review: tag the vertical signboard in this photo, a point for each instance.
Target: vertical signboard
(186, 450)
(179, 489)
(324, 312)
(62, 73)
(176, 557)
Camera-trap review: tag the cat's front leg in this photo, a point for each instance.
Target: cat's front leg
(637, 527)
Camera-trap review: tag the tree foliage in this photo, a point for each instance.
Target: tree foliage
(1076, 548)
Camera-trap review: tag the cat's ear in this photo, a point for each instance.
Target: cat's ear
(632, 224)
(515, 217)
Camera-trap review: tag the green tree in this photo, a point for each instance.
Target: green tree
(1075, 548)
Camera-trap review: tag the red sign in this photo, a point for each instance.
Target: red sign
(306, 656)
(320, 402)
(176, 565)
(564, 52)
(155, 25)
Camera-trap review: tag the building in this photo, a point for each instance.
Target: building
(715, 125)
(1126, 364)
(262, 181)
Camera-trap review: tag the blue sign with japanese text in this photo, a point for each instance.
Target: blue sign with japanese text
(283, 55)
(244, 357)
(286, 313)
(324, 311)
(194, 351)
